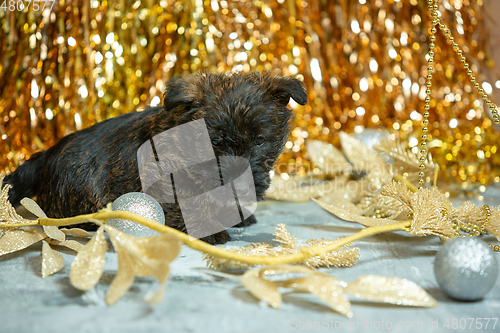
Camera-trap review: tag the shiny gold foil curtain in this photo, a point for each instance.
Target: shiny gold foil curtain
(363, 61)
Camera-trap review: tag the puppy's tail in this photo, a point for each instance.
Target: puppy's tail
(25, 179)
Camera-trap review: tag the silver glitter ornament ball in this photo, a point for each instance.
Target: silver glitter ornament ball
(140, 204)
(466, 268)
(371, 137)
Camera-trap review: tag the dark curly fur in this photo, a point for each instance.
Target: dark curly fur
(246, 115)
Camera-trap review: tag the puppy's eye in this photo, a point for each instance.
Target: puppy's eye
(216, 141)
(260, 140)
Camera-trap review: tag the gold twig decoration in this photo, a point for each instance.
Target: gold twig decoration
(404, 158)
(305, 252)
(12, 221)
(333, 292)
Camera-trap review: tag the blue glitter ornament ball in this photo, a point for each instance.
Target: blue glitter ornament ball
(140, 204)
(466, 268)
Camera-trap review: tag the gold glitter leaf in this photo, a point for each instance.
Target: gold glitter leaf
(398, 191)
(7, 212)
(378, 177)
(52, 231)
(342, 257)
(18, 239)
(52, 261)
(70, 244)
(378, 205)
(283, 237)
(338, 200)
(156, 297)
(123, 279)
(468, 212)
(404, 159)
(261, 288)
(284, 269)
(32, 207)
(352, 217)
(325, 287)
(87, 268)
(146, 256)
(390, 290)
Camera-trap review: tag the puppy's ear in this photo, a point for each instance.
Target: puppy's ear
(183, 91)
(282, 88)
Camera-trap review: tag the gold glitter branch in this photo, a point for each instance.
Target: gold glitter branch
(7, 212)
(146, 257)
(299, 254)
(404, 159)
(304, 252)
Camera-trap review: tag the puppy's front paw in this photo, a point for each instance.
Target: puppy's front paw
(218, 238)
(248, 221)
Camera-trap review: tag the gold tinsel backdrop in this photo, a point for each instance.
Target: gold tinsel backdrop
(67, 67)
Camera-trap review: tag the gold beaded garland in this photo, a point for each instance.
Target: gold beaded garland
(472, 230)
(472, 78)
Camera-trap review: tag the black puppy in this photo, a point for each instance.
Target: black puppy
(245, 114)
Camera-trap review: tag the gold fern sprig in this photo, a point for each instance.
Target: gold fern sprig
(341, 257)
(478, 219)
